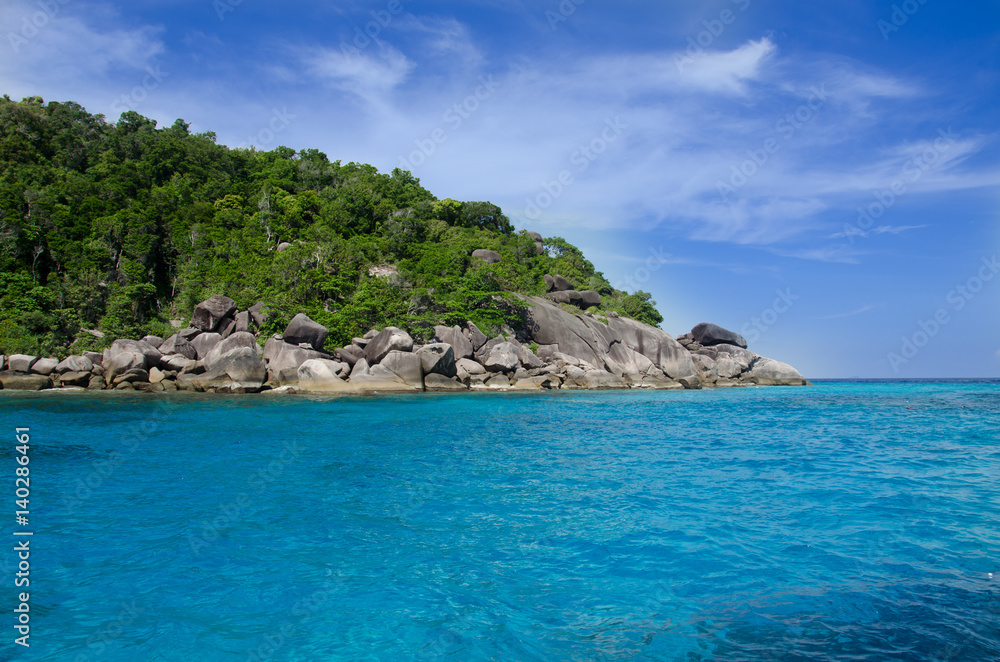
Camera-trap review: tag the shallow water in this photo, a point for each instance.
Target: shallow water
(839, 522)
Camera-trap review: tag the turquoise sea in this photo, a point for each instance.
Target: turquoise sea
(845, 521)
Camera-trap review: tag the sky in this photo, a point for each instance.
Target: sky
(822, 177)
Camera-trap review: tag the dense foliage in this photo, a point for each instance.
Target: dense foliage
(122, 227)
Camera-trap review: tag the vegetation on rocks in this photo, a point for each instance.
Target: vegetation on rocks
(121, 227)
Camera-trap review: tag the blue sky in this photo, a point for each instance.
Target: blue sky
(717, 154)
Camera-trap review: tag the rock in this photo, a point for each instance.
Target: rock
(146, 387)
(176, 344)
(284, 360)
(348, 355)
(487, 256)
(436, 383)
(537, 383)
(14, 381)
(156, 376)
(176, 362)
(44, 366)
(304, 330)
(75, 378)
(453, 336)
(560, 284)
(528, 358)
(204, 342)
(407, 366)
(371, 335)
(131, 376)
(210, 312)
(503, 358)
(20, 362)
(550, 283)
(438, 358)
(226, 327)
(388, 340)
(223, 347)
(708, 370)
(152, 341)
(768, 372)
(257, 314)
(377, 378)
(470, 367)
(589, 298)
(321, 376)
(75, 364)
(123, 362)
(711, 334)
(96, 358)
(242, 322)
(96, 383)
(189, 333)
(240, 370)
(743, 357)
(534, 235)
(571, 297)
(476, 337)
(283, 246)
(726, 367)
(498, 382)
(152, 354)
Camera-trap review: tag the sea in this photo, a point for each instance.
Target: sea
(855, 521)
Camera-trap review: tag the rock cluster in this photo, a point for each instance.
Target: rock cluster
(219, 353)
(723, 360)
(561, 290)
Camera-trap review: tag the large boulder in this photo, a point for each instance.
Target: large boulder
(257, 313)
(388, 340)
(81, 379)
(571, 297)
(284, 360)
(504, 357)
(153, 341)
(15, 381)
(242, 339)
(322, 376)
(242, 322)
(239, 371)
(349, 355)
(712, 334)
(75, 364)
(204, 342)
(176, 344)
(560, 284)
(476, 337)
(438, 358)
(378, 378)
(589, 298)
(44, 366)
(152, 354)
(487, 256)
(20, 362)
(123, 362)
(304, 330)
(209, 313)
(435, 383)
(407, 366)
(470, 367)
(768, 372)
(453, 336)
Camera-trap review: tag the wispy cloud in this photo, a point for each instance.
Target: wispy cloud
(883, 229)
(859, 311)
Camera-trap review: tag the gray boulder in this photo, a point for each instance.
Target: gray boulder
(97, 358)
(407, 366)
(226, 327)
(189, 333)
(487, 256)
(560, 284)
(390, 339)
(238, 371)
(453, 336)
(210, 312)
(176, 344)
(589, 298)
(476, 337)
(75, 379)
(304, 330)
(438, 358)
(152, 341)
(20, 362)
(322, 376)
(257, 314)
(242, 322)
(14, 381)
(44, 366)
(436, 383)
(242, 339)
(470, 367)
(284, 360)
(204, 342)
(349, 355)
(503, 358)
(768, 372)
(152, 354)
(75, 364)
(550, 283)
(123, 362)
(712, 334)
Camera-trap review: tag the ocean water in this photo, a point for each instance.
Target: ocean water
(846, 521)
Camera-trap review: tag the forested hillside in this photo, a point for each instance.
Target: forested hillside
(121, 227)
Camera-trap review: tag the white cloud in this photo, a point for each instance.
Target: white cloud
(372, 77)
(853, 313)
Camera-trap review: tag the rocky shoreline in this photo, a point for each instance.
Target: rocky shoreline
(562, 347)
